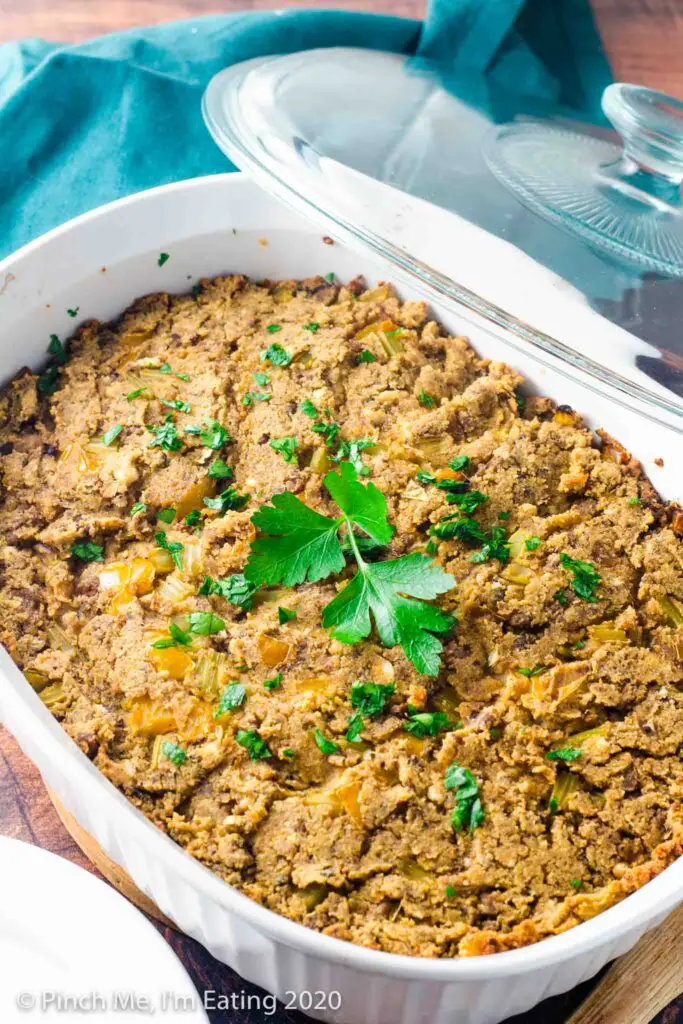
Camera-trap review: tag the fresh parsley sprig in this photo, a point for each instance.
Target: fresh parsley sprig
(302, 545)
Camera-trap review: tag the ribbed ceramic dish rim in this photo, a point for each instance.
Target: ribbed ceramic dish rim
(639, 909)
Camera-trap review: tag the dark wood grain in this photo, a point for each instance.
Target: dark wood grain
(26, 813)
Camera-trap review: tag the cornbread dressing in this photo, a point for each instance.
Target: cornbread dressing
(354, 838)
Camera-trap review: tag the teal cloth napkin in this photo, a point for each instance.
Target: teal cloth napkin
(85, 124)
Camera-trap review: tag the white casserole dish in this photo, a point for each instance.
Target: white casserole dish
(100, 262)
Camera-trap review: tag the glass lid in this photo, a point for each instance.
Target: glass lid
(567, 234)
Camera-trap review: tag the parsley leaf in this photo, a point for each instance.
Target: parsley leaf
(205, 623)
(220, 470)
(468, 502)
(166, 515)
(57, 350)
(324, 745)
(48, 382)
(173, 752)
(214, 436)
(308, 409)
(366, 356)
(235, 589)
(233, 696)
(369, 700)
(425, 400)
(468, 811)
(495, 546)
(272, 684)
(88, 552)
(285, 615)
(529, 673)
(531, 543)
(273, 328)
(287, 447)
(462, 527)
(165, 436)
(165, 368)
(586, 580)
(73, 312)
(256, 747)
(227, 501)
(110, 435)
(250, 397)
(139, 506)
(261, 379)
(275, 354)
(364, 504)
(135, 394)
(564, 754)
(175, 403)
(461, 463)
(426, 723)
(193, 518)
(163, 258)
(351, 450)
(300, 544)
(174, 548)
(561, 597)
(312, 327)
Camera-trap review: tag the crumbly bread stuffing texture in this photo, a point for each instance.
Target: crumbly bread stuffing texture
(353, 838)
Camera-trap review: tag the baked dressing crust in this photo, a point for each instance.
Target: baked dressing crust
(356, 843)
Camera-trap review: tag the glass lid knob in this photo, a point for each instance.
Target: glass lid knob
(624, 200)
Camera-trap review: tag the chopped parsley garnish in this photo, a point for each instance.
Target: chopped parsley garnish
(288, 752)
(468, 811)
(301, 544)
(369, 700)
(467, 501)
(235, 589)
(175, 403)
(308, 409)
(48, 382)
(634, 501)
(273, 328)
(351, 452)
(163, 258)
(504, 516)
(495, 546)
(166, 515)
(424, 477)
(461, 463)
(111, 435)
(165, 436)
(553, 805)
(328, 432)
(276, 355)
(324, 745)
(177, 637)
(256, 747)
(261, 379)
(285, 615)
(57, 350)
(426, 723)
(174, 548)
(165, 368)
(461, 527)
(227, 501)
(576, 883)
(425, 400)
(531, 543)
(233, 696)
(580, 644)
(564, 754)
(272, 684)
(520, 402)
(172, 752)
(196, 290)
(312, 327)
(220, 470)
(193, 518)
(249, 398)
(139, 506)
(205, 623)
(366, 356)
(287, 447)
(432, 548)
(531, 672)
(87, 551)
(451, 892)
(213, 436)
(135, 394)
(73, 312)
(586, 580)
(330, 277)
(561, 597)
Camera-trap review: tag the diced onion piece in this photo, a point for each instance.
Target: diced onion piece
(517, 542)
(151, 718)
(36, 678)
(312, 684)
(86, 461)
(52, 694)
(380, 294)
(273, 651)
(59, 641)
(161, 560)
(672, 610)
(192, 558)
(565, 785)
(198, 724)
(122, 601)
(607, 634)
(135, 337)
(320, 461)
(175, 589)
(347, 797)
(173, 661)
(391, 343)
(410, 868)
(579, 738)
(304, 359)
(193, 498)
(518, 574)
(313, 895)
(414, 744)
(114, 576)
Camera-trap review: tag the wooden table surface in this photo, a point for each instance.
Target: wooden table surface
(644, 42)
